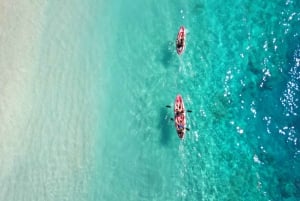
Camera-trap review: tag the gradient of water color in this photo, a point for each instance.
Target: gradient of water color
(86, 116)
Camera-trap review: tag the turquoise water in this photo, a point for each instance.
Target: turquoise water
(96, 126)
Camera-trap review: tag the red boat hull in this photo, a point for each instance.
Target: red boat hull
(180, 116)
(180, 36)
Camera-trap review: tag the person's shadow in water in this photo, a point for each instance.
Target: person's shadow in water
(164, 124)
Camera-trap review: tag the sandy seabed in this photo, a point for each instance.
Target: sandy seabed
(21, 25)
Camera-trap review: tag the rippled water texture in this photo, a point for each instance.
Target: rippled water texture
(88, 119)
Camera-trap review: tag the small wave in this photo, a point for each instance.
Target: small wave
(290, 98)
(256, 159)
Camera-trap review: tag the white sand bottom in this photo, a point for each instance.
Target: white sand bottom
(20, 31)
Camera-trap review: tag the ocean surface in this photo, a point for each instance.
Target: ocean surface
(89, 120)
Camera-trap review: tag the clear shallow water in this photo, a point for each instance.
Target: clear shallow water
(99, 128)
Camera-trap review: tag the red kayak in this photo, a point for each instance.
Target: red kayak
(179, 116)
(180, 42)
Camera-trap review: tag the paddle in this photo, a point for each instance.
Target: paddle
(169, 106)
(185, 127)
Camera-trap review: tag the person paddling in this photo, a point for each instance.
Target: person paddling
(179, 122)
(179, 43)
(179, 109)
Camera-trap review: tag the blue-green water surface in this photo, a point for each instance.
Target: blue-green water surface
(99, 128)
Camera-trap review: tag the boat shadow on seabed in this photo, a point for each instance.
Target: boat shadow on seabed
(165, 128)
(166, 54)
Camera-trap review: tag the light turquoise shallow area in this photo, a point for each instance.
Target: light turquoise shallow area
(99, 128)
